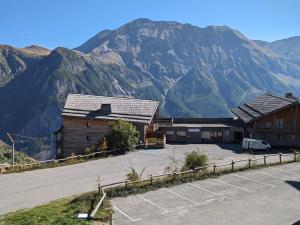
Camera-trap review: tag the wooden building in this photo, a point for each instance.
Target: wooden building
(87, 118)
(272, 118)
(201, 130)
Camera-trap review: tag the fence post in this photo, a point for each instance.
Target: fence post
(265, 160)
(215, 166)
(174, 175)
(232, 165)
(151, 179)
(280, 156)
(249, 162)
(126, 181)
(295, 156)
(110, 218)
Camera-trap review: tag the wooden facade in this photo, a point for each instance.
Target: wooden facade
(280, 128)
(87, 120)
(272, 118)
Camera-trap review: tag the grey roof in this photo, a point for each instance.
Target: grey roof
(198, 125)
(262, 106)
(128, 109)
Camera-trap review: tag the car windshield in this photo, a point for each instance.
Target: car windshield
(264, 142)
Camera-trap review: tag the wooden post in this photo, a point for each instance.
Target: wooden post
(280, 158)
(126, 181)
(249, 162)
(174, 175)
(265, 160)
(295, 156)
(215, 166)
(151, 179)
(232, 165)
(110, 218)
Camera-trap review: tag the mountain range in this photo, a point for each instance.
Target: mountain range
(192, 71)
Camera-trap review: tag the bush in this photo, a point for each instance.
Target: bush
(124, 136)
(195, 159)
(133, 176)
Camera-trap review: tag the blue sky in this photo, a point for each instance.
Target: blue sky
(69, 23)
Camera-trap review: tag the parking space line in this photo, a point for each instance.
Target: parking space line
(127, 216)
(243, 189)
(154, 204)
(297, 174)
(254, 181)
(270, 175)
(197, 186)
(180, 196)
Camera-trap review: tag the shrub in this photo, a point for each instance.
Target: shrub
(133, 176)
(124, 136)
(194, 159)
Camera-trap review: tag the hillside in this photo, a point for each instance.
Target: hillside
(193, 71)
(20, 158)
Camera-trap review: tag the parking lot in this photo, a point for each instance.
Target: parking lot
(264, 196)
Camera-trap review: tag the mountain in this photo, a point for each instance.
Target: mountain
(287, 48)
(13, 61)
(193, 71)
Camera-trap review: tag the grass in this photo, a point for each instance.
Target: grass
(20, 158)
(60, 212)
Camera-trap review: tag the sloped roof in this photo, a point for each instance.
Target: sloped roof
(262, 106)
(128, 109)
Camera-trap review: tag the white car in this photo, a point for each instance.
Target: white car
(254, 144)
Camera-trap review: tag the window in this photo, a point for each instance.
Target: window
(170, 132)
(89, 124)
(205, 134)
(268, 125)
(181, 133)
(220, 134)
(279, 123)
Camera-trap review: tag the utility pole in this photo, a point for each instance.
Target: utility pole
(13, 149)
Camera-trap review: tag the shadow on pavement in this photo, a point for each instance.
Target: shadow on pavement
(294, 184)
(296, 223)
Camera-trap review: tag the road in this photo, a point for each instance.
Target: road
(263, 196)
(32, 188)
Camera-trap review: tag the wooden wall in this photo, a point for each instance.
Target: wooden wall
(80, 133)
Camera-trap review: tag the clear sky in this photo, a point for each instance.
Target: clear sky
(69, 23)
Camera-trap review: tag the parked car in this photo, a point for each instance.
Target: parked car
(254, 144)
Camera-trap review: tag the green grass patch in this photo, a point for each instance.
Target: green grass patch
(60, 212)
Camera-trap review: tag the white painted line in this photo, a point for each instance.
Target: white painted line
(237, 187)
(124, 214)
(180, 196)
(254, 181)
(270, 175)
(297, 174)
(197, 186)
(152, 203)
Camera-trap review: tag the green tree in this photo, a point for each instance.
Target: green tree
(195, 159)
(124, 136)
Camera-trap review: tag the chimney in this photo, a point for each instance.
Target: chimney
(291, 96)
(104, 110)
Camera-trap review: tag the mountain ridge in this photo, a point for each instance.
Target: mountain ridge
(192, 71)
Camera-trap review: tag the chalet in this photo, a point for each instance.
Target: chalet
(272, 118)
(86, 120)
